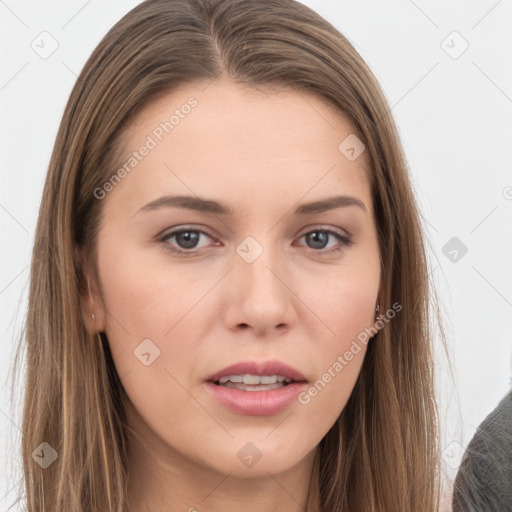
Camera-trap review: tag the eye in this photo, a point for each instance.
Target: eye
(187, 240)
(319, 238)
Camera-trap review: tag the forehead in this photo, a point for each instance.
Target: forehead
(223, 108)
(221, 134)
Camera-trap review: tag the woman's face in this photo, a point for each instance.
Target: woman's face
(272, 281)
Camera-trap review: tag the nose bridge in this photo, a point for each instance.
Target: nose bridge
(260, 259)
(262, 297)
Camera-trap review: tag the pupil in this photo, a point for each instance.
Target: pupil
(189, 237)
(315, 236)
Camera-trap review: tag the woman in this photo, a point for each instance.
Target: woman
(229, 281)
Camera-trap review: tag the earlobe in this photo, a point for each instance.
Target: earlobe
(92, 312)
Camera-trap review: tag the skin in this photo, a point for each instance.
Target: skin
(261, 152)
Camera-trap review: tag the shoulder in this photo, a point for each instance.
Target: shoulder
(484, 479)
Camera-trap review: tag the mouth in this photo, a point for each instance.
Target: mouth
(256, 389)
(252, 375)
(250, 382)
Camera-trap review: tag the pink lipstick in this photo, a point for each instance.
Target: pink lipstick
(256, 388)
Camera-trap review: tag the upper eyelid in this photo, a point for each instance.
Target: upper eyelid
(314, 227)
(177, 230)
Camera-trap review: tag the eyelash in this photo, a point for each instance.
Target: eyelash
(344, 240)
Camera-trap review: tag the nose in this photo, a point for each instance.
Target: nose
(262, 300)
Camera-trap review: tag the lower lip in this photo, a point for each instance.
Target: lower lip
(256, 403)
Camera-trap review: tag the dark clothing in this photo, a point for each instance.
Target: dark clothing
(484, 479)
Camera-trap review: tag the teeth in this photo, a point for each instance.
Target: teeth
(254, 379)
(232, 378)
(252, 387)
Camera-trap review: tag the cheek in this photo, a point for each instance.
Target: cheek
(337, 359)
(146, 300)
(345, 312)
(140, 293)
(149, 331)
(343, 302)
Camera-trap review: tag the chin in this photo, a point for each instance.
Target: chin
(258, 459)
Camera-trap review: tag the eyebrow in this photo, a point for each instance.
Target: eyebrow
(214, 207)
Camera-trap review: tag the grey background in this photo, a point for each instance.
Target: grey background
(454, 112)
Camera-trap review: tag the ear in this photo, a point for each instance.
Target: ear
(90, 302)
(379, 294)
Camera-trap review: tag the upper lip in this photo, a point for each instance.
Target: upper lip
(273, 367)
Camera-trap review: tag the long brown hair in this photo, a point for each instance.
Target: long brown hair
(382, 454)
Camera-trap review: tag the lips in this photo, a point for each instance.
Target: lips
(250, 399)
(262, 368)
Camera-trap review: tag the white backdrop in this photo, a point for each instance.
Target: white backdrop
(446, 69)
